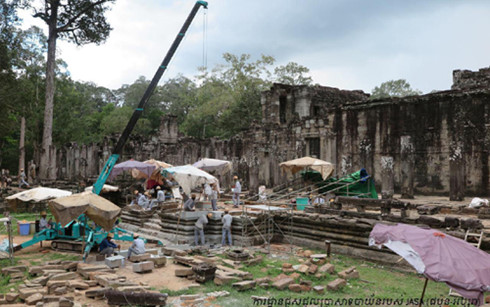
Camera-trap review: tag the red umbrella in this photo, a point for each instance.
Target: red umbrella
(440, 257)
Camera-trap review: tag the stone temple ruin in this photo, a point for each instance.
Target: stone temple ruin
(435, 144)
(432, 144)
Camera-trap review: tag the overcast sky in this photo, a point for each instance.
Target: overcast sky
(350, 44)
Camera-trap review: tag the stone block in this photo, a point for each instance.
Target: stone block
(26, 292)
(41, 280)
(263, 280)
(190, 297)
(289, 270)
(349, 273)
(65, 302)
(96, 293)
(279, 277)
(294, 287)
(99, 257)
(159, 261)
(140, 258)
(319, 289)
(114, 261)
(307, 253)
(34, 299)
(11, 297)
(313, 268)
(39, 269)
(183, 272)
(225, 279)
(64, 276)
(283, 283)
(78, 284)
(305, 288)
(303, 268)
(12, 269)
(287, 265)
(60, 291)
(318, 256)
(327, 268)
(336, 284)
(143, 267)
(244, 285)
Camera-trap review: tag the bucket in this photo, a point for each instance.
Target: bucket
(24, 228)
(301, 201)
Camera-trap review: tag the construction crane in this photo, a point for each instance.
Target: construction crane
(79, 235)
(146, 96)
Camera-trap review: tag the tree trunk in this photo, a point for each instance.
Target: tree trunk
(22, 152)
(47, 162)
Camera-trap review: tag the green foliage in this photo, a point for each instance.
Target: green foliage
(394, 88)
(228, 99)
(293, 74)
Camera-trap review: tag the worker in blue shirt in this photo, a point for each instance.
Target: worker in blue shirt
(107, 247)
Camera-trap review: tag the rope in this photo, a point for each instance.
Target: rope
(205, 39)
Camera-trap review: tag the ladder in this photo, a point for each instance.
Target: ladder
(468, 236)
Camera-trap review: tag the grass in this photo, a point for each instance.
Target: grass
(375, 284)
(29, 217)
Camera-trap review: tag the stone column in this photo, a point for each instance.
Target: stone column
(388, 178)
(456, 173)
(407, 166)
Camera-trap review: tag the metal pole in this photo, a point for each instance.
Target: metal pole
(11, 245)
(423, 292)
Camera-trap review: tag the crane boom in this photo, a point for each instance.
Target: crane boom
(146, 96)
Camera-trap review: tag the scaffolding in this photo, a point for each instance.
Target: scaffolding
(268, 225)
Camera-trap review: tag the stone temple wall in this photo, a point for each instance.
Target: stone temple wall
(433, 144)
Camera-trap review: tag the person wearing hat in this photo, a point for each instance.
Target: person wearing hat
(237, 189)
(22, 179)
(160, 195)
(143, 201)
(138, 246)
(43, 223)
(107, 247)
(199, 228)
(226, 220)
(137, 196)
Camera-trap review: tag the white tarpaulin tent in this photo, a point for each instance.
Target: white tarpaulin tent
(105, 188)
(323, 167)
(39, 194)
(189, 177)
(214, 165)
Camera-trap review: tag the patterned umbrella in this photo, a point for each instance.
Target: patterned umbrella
(440, 257)
(130, 165)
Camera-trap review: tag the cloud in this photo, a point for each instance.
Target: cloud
(352, 44)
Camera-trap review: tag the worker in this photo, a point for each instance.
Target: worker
(226, 220)
(237, 189)
(107, 247)
(214, 196)
(137, 196)
(143, 200)
(319, 200)
(43, 223)
(160, 195)
(190, 203)
(22, 179)
(138, 246)
(199, 228)
(207, 191)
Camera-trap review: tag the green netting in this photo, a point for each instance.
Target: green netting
(355, 184)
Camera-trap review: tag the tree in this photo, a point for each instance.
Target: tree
(394, 88)
(81, 22)
(293, 74)
(228, 99)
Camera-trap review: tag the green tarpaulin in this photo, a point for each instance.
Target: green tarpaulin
(356, 184)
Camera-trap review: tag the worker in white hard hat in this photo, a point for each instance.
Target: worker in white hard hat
(138, 246)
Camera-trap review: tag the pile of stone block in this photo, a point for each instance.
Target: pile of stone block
(56, 283)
